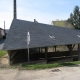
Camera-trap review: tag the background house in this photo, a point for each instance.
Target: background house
(2, 33)
(62, 23)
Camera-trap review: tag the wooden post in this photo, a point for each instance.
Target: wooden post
(46, 50)
(70, 50)
(55, 48)
(39, 50)
(9, 58)
(78, 51)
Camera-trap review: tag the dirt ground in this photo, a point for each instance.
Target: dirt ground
(4, 60)
(61, 73)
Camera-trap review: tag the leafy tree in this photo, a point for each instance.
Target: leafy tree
(75, 18)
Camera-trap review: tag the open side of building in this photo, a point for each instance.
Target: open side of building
(42, 36)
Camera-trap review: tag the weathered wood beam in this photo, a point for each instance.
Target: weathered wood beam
(13, 54)
(73, 46)
(9, 58)
(70, 50)
(78, 51)
(46, 51)
(55, 48)
(39, 50)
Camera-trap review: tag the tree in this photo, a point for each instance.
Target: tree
(75, 18)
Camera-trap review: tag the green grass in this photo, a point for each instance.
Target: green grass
(44, 66)
(2, 53)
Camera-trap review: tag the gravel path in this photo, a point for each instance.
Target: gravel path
(62, 73)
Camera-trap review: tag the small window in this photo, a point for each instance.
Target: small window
(78, 35)
(52, 37)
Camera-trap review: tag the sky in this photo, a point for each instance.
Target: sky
(44, 11)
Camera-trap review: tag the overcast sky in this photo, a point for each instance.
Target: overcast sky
(44, 11)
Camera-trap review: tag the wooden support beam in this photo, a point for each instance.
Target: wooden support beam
(21, 55)
(46, 50)
(9, 58)
(55, 48)
(39, 50)
(70, 50)
(78, 51)
(73, 46)
(13, 54)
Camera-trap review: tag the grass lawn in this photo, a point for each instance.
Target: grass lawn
(44, 66)
(2, 53)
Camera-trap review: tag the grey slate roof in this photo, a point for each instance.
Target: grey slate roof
(40, 35)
